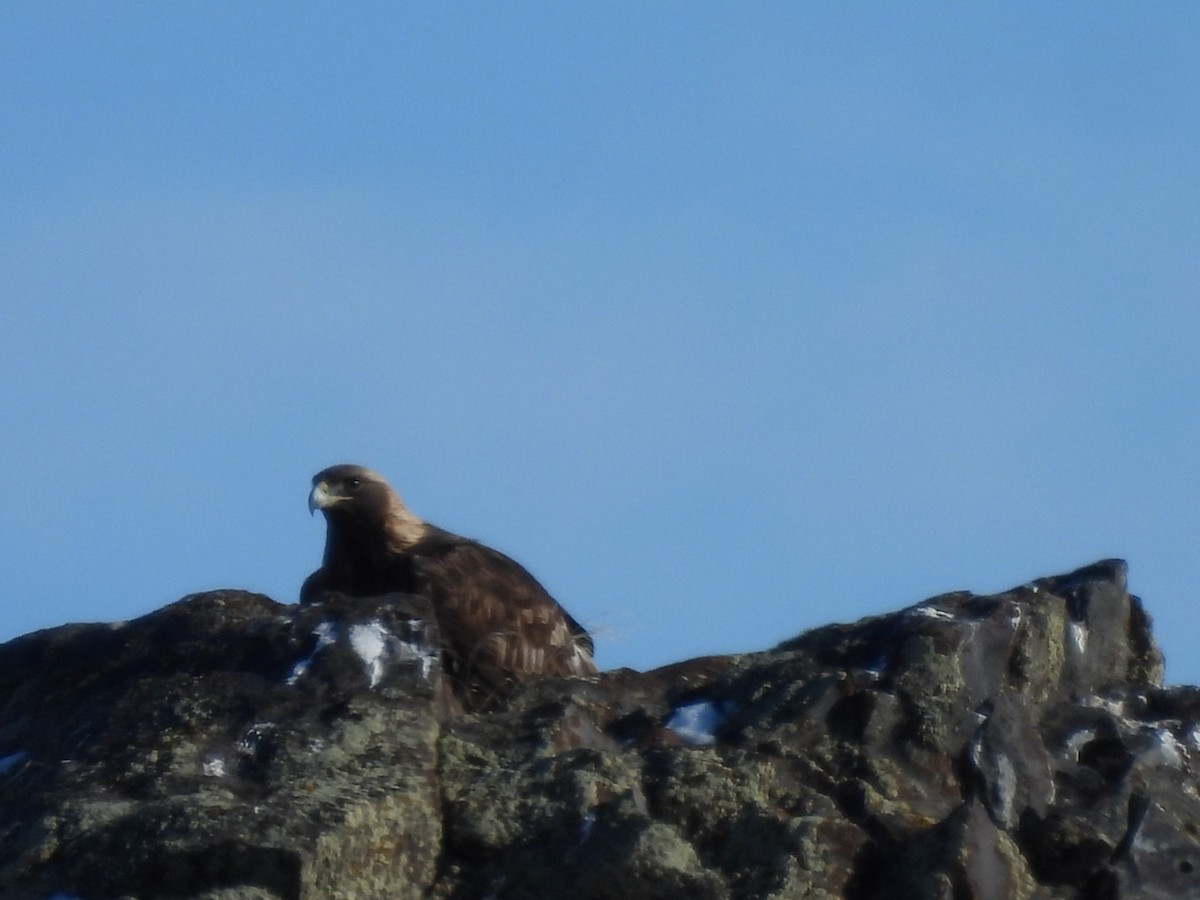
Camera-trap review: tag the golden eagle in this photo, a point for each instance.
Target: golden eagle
(499, 625)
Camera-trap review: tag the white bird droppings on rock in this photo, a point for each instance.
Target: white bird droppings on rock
(409, 651)
(931, 612)
(1079, 636)
(370, 642)
(1166, 749)
(696, 723)
(326, 634)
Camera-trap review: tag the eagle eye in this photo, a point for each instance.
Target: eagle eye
(354, 483)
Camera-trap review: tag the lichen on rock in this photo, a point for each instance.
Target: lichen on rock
(228, 747)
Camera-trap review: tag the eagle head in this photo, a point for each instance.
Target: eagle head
(350, 490)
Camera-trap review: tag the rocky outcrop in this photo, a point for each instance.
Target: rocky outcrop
(968, 748)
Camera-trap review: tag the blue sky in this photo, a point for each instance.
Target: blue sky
(728, 321)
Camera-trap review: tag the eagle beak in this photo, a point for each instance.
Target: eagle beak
(321, 498)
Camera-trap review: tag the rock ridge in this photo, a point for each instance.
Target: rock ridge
(1016, 745)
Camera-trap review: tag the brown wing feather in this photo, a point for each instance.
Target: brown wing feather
(500, 623)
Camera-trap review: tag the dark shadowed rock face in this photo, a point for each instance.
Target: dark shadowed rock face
(968, 748)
